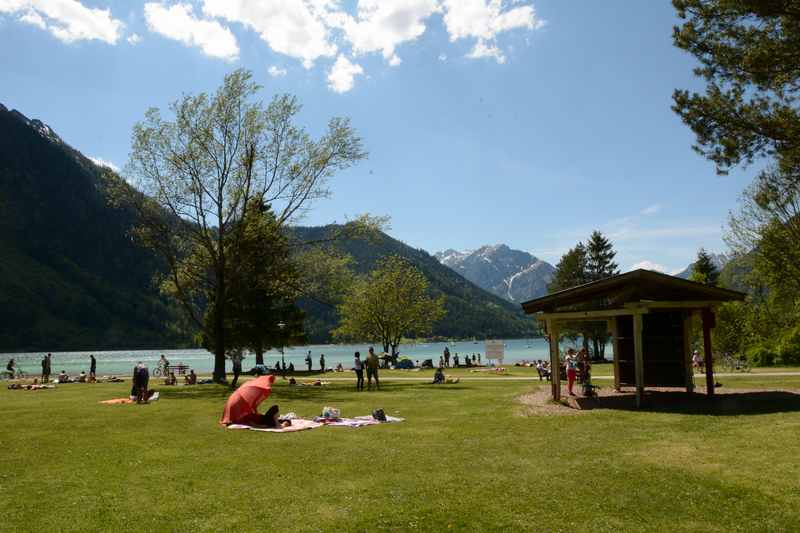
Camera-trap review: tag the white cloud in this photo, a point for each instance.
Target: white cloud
(179, 23)
(482, 49)
(649, 265)
(67, 20)
(443, 57)
(484, 20)
(35, 19)
(291, 27)
(276, 72)
(100, 162)
(134, 39)
(380, 26)
(651, 210)
(341, 76)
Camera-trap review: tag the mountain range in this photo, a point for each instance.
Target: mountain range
(72, 278)
(513, 275)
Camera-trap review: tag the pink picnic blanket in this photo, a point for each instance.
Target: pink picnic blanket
(298, 424)
(361, 421)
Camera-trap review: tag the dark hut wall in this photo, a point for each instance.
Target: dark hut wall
(662, 350)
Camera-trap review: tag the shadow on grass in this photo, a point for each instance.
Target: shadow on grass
(722, 404)
(303, 392)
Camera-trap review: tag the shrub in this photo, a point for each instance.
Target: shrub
(761, 355)
(789, 347)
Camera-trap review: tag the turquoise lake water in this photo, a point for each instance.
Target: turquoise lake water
(122, 361)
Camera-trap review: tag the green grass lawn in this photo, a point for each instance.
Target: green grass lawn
(468, 457)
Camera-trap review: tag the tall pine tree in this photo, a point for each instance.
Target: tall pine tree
(704, 270)
(600, 258)
(571, 270)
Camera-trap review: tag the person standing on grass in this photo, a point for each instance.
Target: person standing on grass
(372, 369)
(48, 366)
(44, 369)
(447, 357)
(141, 379)
(571, 365)
(236, 359)
(455, 361)
(308, 360)
(358, 366)
(322, 362)
(92, 368)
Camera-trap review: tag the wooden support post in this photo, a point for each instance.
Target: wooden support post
(687, 351)
(708, 323)
(612, 323)
(555, 360)
(638, 345)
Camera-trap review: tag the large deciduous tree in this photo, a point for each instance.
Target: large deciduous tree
(390, 302)
(201, 167)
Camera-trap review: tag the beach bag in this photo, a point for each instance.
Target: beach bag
(331, 412)
(379, 415)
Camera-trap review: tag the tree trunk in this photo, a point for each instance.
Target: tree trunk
(219, 328)
(596, 345)
(259, 354)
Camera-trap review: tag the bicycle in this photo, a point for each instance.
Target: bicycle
(734, 364)
(6, 374)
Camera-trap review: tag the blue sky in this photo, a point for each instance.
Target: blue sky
(529, 124)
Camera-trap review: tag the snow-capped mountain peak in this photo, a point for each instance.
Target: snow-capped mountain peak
(514, 275)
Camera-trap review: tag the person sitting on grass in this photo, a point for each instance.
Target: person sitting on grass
(438, 376)
(190, 378)
(63, 377)
(171, 379)
(271, 419)
(82, 377)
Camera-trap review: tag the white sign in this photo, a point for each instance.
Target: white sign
(495, 350)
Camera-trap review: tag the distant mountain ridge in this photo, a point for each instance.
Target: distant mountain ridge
(514, 275)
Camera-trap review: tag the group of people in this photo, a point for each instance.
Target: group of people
(444, 360)
(309, 361)
(577, 363)
(63, 377)
(371, 364)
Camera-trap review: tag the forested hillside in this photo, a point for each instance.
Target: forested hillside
(471, 311)
(70, 276)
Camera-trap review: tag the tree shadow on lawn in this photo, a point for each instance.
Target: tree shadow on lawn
(301, 392)
(748, 402)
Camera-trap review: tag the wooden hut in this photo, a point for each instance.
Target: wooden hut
(648, 315)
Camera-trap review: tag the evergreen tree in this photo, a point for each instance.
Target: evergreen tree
(571, 270)
(704, 270)
(600, 258)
